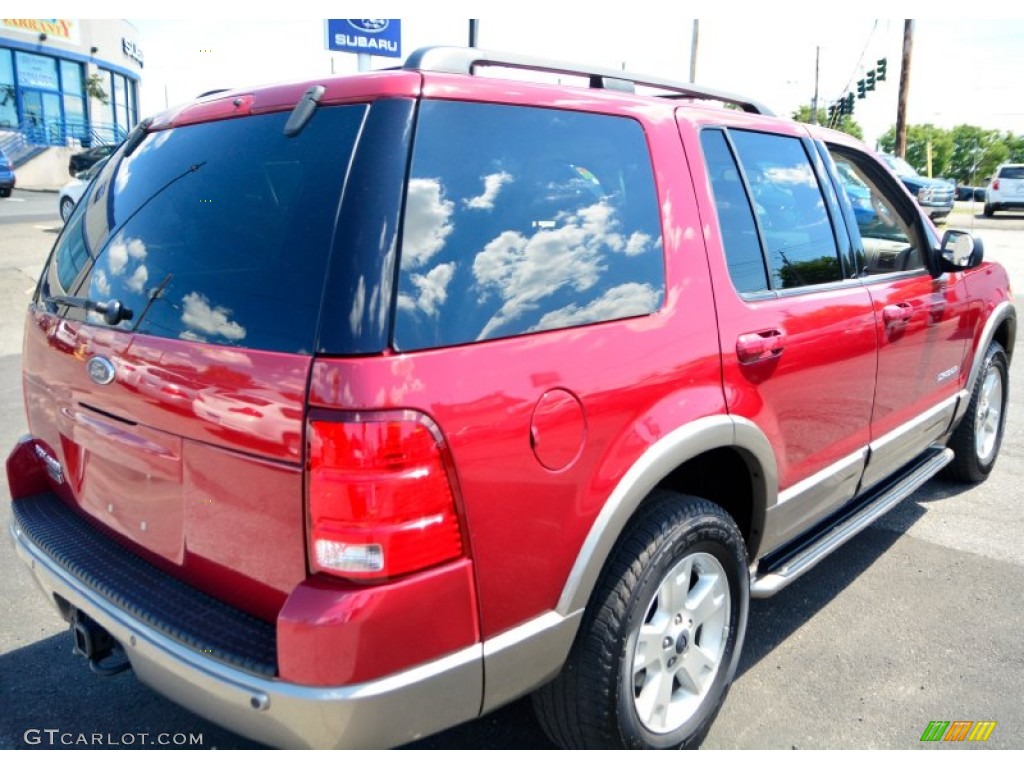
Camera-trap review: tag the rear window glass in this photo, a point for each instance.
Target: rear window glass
(218, 232)
(1012, 172)
(520, 220)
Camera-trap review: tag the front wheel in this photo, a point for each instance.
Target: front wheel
(977, 438)
(67, 205)
(662, 635)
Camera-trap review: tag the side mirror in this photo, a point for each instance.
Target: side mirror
(960, 251)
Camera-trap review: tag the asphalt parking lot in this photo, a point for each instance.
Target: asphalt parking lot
(917, 619)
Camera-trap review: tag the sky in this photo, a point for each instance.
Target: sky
(962, 70)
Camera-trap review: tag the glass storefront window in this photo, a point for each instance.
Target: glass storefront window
(71, 77)
(37, 71)
(8, 96)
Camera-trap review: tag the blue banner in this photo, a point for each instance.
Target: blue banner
(378, 37)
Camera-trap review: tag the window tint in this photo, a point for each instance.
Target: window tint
(888, 239)
(735, 217)
(1012, 172)
(218, 232)
(790, 209)
(520, 220)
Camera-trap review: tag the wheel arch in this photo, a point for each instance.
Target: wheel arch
(690, 459)
(1000, 326)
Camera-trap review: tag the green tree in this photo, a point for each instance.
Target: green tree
(918, 138)
(94, 89)
(975, 153)
(846, 123)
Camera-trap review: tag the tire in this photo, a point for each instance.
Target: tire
(67, 205)
(977, 438)
(645, 670)
(5, 192)
(989, 210)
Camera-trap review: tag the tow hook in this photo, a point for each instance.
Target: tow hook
(95, 644)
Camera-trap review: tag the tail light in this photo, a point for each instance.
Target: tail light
(995, 184)
(381, 500)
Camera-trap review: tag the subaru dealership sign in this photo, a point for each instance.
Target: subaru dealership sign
(378, 37)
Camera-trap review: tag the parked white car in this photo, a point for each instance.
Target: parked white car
(69, 194)
(1006, 189)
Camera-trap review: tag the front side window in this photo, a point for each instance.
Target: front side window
(520, 220)
(888, 238)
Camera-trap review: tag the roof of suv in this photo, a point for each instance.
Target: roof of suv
(437, 61)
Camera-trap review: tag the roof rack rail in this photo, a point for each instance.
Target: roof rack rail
(462, 61)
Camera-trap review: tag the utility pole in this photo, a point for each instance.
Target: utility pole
(901, 106)
(814, 101)
(474, 32)
(693, 50)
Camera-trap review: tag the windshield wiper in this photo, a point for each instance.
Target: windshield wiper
(113, 311)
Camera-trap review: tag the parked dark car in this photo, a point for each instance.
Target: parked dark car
(935, 196)
(86, 159)
(966, 192)
(7, 178)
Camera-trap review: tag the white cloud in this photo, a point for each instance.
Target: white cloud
(427, 221)
(637, 243)
(100, 283)
(205, 320)
(137, 282)
(117, 256)
(524, 270)
(492, 186)
(121, 250)
(433, 287)
(627, 300)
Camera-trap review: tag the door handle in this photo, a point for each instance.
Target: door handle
(760, 345)
(894, 314)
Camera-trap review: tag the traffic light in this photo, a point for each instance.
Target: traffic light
(861, 89)
(833, 114)
(870, 81)
(880, 70)
(849, 103)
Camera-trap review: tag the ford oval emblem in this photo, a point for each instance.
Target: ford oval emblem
(101, 370)
(370, 26)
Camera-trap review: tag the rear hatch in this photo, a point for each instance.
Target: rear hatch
(169, 344)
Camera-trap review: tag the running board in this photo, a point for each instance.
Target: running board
(784, 569)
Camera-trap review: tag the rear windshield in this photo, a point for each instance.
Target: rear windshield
(1012, 172)
(218, 232)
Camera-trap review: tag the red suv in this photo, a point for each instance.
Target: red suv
(364, 406)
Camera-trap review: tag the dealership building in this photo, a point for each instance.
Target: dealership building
(69, 82)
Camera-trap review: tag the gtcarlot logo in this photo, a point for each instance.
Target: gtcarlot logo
(54, 737)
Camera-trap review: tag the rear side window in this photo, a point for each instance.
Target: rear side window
(1012, 172)
(218, 232)
(520, 220)
(790, 208)
(735, 217)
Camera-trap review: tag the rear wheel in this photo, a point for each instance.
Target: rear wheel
(5, 192)
(989, 210)
(977, 438)
(662, 636)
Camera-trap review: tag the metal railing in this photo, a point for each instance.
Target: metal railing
(31, 135)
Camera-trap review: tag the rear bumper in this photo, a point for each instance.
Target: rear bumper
(379, 713)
